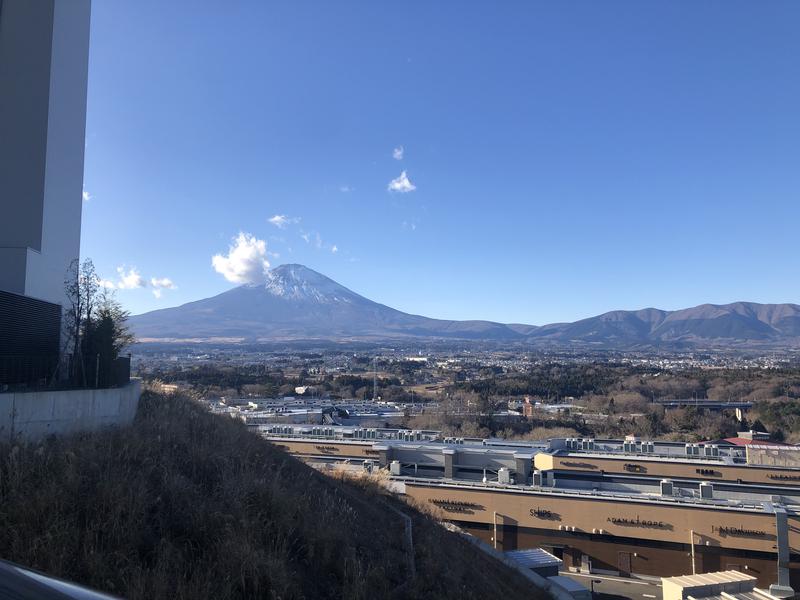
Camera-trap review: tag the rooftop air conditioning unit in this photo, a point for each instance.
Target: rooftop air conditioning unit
(504, 475)
(537, 477)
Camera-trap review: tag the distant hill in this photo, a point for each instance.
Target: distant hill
(727, 323)
(297, 303)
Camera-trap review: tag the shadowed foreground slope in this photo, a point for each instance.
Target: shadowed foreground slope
(184, 504)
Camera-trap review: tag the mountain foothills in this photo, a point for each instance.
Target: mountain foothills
(297, 303)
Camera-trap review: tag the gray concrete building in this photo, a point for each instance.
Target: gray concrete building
(44, 55)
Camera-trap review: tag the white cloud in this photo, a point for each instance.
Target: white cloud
(246, 261)
(313, 238)
(163, 282)
(346, 189)
(131, 279)
(86, 196)
(282, 221)
(398, 152)
(401, 184)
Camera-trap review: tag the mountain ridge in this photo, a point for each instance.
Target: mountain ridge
(295, 302)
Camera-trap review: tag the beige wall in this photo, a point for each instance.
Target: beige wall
(328, 448)
(655, 468)
(645, 558)
(715, 527)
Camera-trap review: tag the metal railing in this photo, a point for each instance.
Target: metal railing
(38, 372)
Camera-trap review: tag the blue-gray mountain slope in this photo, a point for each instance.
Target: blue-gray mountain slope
(296, 303)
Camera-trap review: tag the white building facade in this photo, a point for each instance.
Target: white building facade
(44, 56)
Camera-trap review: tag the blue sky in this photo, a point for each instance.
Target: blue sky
(568, 158)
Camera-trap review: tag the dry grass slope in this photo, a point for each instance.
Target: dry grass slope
(184, 505)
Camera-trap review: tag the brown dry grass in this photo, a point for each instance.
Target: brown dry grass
(184, 504)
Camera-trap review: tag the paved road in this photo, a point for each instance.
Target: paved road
(607, 587)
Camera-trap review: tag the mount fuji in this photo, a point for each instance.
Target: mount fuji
(297, 303)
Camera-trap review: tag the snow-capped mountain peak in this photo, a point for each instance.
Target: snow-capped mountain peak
(297, 282)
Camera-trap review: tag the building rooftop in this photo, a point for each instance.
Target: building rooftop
(535, 558)
(743, 441)
(722, 585)
(754, 505)
(703, 579)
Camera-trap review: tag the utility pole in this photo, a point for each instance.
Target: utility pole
(375, 378)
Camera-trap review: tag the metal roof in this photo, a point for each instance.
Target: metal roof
(534, 558)
(689, 581)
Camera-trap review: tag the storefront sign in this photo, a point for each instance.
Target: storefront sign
(634, 468)
(784, 477)
(738, 531)
(455, 505)
(327, 449)
(708, 472)
(578, 465)
(543, 513)
(637, 522)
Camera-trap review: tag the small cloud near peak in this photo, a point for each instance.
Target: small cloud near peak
(401, 184)
(246, 261)
(398, 153)
(162, 282)
(282, 221)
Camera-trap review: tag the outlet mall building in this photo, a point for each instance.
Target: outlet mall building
(604, 506)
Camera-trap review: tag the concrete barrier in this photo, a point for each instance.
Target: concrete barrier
(31, 416)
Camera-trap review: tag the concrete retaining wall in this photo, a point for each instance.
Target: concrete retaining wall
(33, 415)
